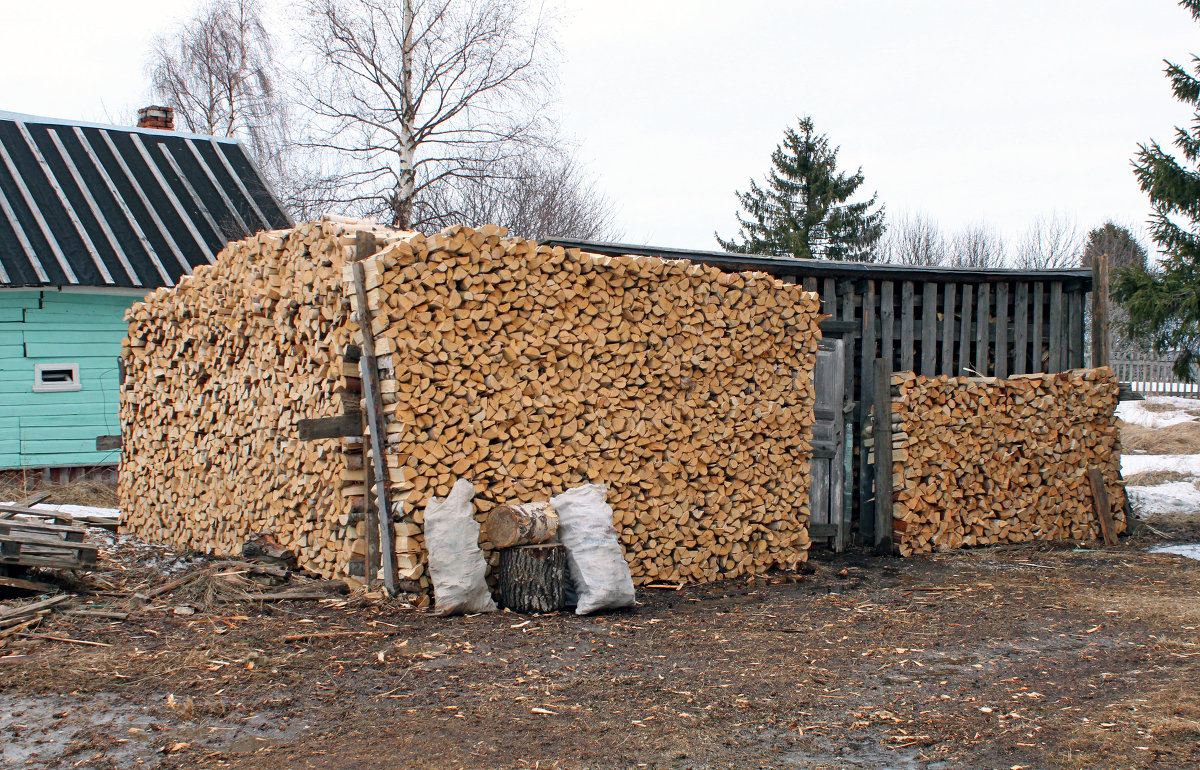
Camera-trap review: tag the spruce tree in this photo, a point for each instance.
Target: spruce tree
(802, 210)
(1164, 305)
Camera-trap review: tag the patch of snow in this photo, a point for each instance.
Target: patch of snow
(1190, 550)
(1175, 497)
(1135, 412)
(76, 510)
(1188, 465)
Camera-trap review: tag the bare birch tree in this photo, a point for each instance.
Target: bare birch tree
(412, 97)
(915, 239)
(977, 245)
(536, 196)
(218, 71)
(1051, 242)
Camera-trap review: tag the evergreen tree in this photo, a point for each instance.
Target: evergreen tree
(1119, 243)
(1124, 251)
(1164, 305)
(802, 212)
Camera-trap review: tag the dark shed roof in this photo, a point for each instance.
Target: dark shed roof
(92, 205)
(824, 268)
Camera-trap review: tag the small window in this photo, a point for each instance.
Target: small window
(55, 378)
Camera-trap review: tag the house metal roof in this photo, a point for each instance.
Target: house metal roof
(83, 204)
(825, 268)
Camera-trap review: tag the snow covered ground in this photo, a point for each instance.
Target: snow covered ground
(1181, 410)
(76, 510)
(1190, 550)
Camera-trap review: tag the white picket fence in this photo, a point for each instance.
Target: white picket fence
(1152, 376)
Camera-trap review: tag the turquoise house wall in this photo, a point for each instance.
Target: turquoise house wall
(59, 327)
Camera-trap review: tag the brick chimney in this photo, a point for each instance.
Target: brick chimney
(155, 116)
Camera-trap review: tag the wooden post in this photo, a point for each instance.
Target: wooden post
(883, 456)
(1100, 340)
(375, 427)
(1100, 502)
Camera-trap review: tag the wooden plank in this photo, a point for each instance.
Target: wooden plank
(964, 330)
(983, 329)
(1100, 504)
(829, 297)
(1002, 351)
(887, 319)
(343, 425)
(1056, 341)
(883, 456)
(929, 329)
(1075, 305)
(375, 424)
(906, 326)
(866, 471)
(810, 283)
(948, 291)
(1021, 329)
(26, 585)
(1038, 362)
(851, 397)
(1100, 330)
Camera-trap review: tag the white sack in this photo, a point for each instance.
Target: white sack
(456, 564)
(598, 566)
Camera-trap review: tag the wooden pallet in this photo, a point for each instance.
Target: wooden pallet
(33, 544)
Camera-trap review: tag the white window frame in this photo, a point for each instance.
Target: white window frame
(40, 386)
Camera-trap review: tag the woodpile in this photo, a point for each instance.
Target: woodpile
(979, 461)
(526, 368)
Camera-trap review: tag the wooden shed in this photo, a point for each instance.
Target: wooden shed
(931, 320)
(91, 218)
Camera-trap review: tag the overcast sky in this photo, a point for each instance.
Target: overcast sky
(964, 111)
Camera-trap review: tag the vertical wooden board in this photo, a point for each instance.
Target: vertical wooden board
(867, 356)
(1037, 362)
(964, 331)
(1100, 321)
(1057, 332)
(1075, 307)
(829, 302)
(983, 330)
(1002, 350)
(929, 346)
(844, 473)
(818, 506)
(906, 326)
(887, 319)
(883, 456)
(810, 283)
(1021, 329)
(948, 337)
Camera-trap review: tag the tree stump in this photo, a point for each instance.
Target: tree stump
(521, 524)
(533, 578)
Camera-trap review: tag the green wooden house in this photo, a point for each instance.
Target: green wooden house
(93, 217)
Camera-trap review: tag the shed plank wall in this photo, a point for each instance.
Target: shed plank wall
(51, 327)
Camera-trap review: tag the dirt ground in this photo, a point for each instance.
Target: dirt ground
(1014, 657)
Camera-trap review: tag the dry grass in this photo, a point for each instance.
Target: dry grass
(96, 494)
(1180, 439)
(1154, 478)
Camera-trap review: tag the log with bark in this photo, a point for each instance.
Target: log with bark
(522, 524)
(533, 578)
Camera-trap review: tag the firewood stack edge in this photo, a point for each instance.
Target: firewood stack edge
(526, 368)
(980, 461)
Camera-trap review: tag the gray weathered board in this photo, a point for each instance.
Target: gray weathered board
(829, 430)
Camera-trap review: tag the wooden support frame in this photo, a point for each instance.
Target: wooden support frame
(1100, 331)
(884, 526)
(365, 243)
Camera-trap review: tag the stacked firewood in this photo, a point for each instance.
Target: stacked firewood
(218, 371)
(980, 461)
(526, 368)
